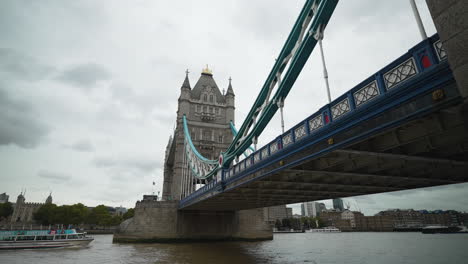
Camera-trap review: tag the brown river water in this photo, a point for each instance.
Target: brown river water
(285, 248)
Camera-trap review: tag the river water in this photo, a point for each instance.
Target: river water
(285, 248)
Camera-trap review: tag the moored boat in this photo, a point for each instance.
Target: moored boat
(34, 239)
(441, 230)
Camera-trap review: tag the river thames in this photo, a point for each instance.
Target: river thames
(285, 248)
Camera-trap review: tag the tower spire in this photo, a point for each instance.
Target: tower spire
(230, 91)
(186, 83)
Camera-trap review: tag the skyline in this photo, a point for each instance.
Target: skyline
(88, 90)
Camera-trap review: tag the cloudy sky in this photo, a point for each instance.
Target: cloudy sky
(88, 89)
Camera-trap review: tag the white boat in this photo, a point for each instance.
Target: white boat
(324, 230)
(34, 239)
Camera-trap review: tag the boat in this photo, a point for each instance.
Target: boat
(443, 230)
(324, 230)
(36, 239)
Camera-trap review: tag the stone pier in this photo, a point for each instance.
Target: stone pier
(160, 221)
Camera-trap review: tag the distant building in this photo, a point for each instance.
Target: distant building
(279, 212)
(4, 198)
(374, 223)
(338, 204)
(404, 218)
(120, 210)
(23, 212)
(351, 216)
(312, 209)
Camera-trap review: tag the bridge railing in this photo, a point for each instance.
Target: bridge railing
(418, 59)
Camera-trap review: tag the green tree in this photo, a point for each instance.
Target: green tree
(99, 215)
(46, 214)
(295, 223)
(129, 214)
(278, 224)
(6, 209)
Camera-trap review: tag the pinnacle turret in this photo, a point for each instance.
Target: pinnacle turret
(230, 91)
(186, 83)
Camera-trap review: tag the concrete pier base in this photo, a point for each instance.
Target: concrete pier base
(160, 221)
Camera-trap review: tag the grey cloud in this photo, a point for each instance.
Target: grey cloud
(53, 176)
(133, 163)
(19, 124)
(81, 146)
(22, 66)
(85, 75)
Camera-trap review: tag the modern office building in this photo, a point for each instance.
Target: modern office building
(312, 209)
(338, 204)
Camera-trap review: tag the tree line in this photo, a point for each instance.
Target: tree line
(6, 209)
(77, 214)
(299, 223)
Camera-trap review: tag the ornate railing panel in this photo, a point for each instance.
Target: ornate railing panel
(440, 51)
(400, 73)
(315, 123)
(366, 93)
(340, 108)
(287, 139)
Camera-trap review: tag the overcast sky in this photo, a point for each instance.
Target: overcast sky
(88, 89)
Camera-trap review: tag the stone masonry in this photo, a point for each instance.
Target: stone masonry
(451, 20)
(208, 113)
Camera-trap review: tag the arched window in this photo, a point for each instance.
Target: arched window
(211, 98)
(205, 97)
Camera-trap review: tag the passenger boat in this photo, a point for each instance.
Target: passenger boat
(34, 239)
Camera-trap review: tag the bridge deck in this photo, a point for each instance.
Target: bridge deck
(411, 136)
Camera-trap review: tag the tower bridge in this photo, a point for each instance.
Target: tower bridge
(404, 127)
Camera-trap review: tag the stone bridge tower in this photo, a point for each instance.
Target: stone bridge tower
(208, 112)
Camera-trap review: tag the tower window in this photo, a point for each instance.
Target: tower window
(220, 138)
(204, 98)
(207, 135)
(211, 98)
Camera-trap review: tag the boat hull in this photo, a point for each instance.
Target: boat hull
(62, 243)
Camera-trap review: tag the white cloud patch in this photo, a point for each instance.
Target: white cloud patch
(53, 176)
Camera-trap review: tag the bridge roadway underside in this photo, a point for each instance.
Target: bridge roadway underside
(420, 151)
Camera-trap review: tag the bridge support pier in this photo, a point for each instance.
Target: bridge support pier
(451, 20)
(160, 221)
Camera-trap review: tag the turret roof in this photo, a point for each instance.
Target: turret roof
(230, 90)
(207, 83)
(186, 83)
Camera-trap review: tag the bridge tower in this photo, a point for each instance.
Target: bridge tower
(208, 112)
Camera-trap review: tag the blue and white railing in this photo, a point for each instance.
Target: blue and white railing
(417, 60)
